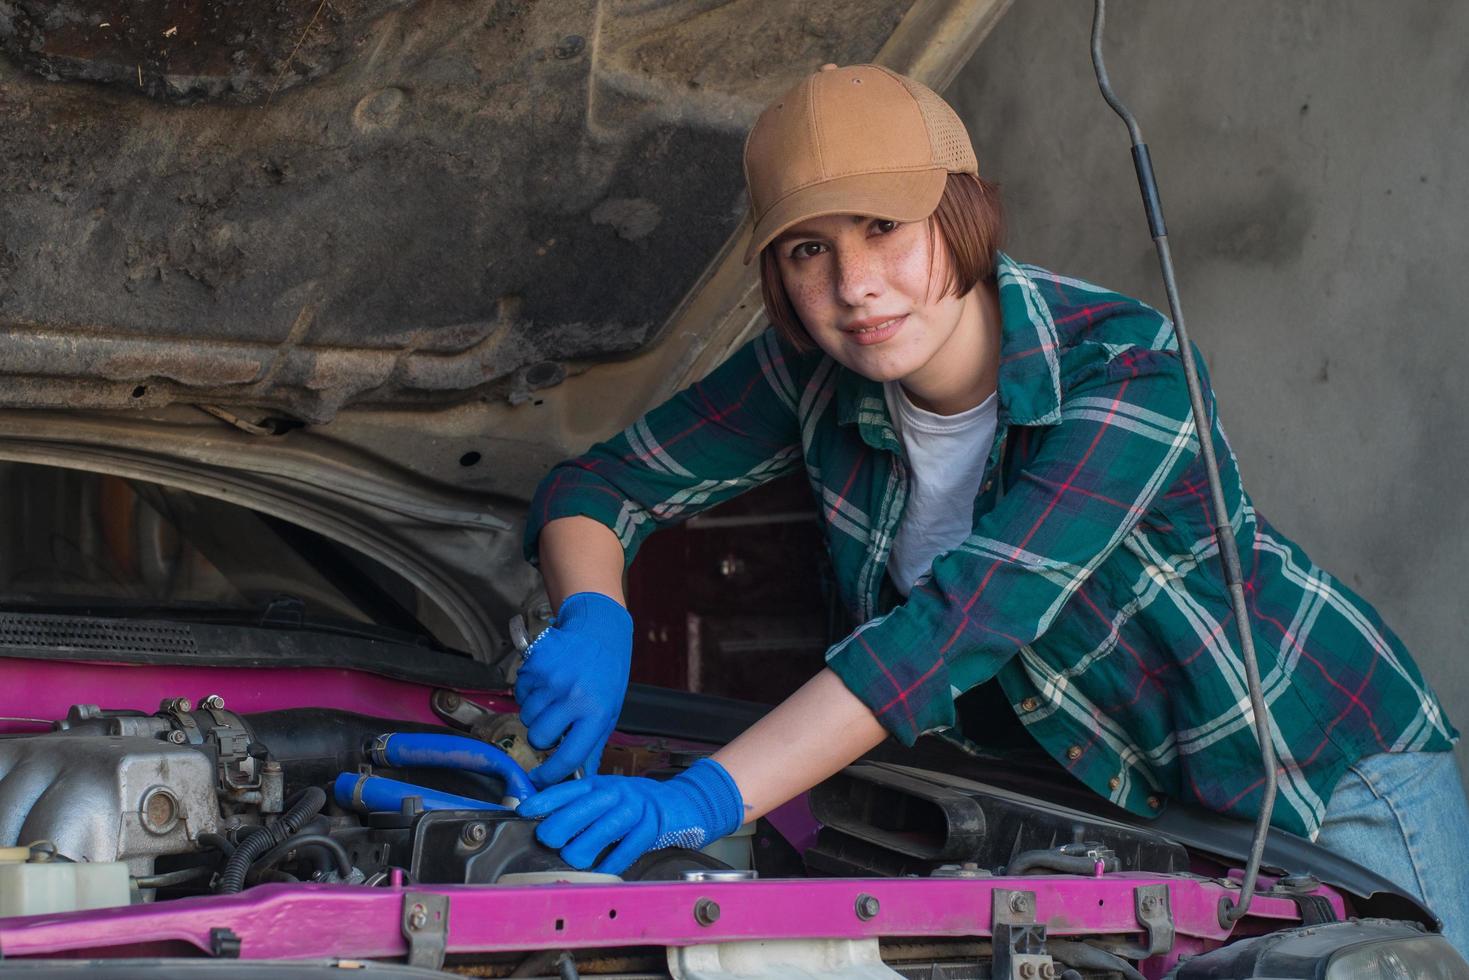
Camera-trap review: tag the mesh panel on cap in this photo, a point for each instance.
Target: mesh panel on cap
(951, 147)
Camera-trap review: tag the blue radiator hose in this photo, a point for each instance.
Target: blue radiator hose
(375, 794)
(433, 751)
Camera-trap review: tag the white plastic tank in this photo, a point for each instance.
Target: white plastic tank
(29, 886)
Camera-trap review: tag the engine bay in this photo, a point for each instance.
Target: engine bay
(196, 799)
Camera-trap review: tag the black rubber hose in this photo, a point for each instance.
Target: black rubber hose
(1090, 958)
(273, 856)
(217, 842)
(1070, 975)
(313, 798)
(279, 876)
(566, 965)
(1028, 862)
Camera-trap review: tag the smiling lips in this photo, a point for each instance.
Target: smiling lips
(874, 330)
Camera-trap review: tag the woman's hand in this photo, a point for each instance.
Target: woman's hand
(586, 816)
(572, 683)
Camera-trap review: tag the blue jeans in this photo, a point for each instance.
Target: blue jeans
(1404, 816)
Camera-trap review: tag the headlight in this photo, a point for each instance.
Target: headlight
(1363, 949)
(1420, 958)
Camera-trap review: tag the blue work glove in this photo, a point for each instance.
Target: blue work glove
(572, 683)
(699, 805)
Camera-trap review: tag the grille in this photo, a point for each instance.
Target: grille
(26, 631)
(942, 971)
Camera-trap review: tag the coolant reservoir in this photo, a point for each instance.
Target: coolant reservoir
(736, 850)
(30, 887)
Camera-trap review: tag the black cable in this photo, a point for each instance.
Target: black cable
(276, 854)
(1029, 862)
(313, 798)
(566, 965)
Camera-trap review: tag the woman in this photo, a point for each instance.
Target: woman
(1008, 473)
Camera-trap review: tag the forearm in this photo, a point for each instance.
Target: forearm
(814, 733)
(578, 554)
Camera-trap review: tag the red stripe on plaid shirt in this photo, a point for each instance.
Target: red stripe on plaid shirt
(902, 697)
(1354, 698)
(713, 416)
(1040, 521)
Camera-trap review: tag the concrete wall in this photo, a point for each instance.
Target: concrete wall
(1313, 158)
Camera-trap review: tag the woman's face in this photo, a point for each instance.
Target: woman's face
(870, 292)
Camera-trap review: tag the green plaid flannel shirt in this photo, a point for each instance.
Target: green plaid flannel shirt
(1089, 585)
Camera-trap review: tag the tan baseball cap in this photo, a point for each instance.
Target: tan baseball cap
(856, 140)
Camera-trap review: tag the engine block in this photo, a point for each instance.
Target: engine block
(106, 798)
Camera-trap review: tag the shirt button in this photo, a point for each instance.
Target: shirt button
(1029, 704)
(1074, 753)
(1154, 802)
(988, 484)
(1113, 783)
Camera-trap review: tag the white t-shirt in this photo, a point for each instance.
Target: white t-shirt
(946, 460)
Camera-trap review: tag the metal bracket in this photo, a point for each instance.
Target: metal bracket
(426, 927)
(1155, 914)
(1019, 941)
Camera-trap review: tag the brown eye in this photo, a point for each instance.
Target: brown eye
(882, 226)
(806, 250)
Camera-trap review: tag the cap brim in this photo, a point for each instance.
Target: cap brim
(909, 195)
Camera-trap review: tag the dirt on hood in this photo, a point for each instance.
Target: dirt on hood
(304, 206)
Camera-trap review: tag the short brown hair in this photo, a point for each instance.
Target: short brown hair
(969, 219)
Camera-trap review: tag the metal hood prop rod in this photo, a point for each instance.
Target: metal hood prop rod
(1229, 913)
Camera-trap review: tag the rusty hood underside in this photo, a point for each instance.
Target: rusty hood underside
(372, 266)
(300, 207)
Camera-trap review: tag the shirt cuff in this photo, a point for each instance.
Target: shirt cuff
(907, 691)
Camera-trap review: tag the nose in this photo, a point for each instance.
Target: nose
(858, 277)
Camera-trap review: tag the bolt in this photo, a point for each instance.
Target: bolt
(474, 833)
(212, 701)
(1150, 902)
(1019, 902)
(175, 704)
(1028, 970)
(177, 737)
(706, 912)
(867, 907)
(417, 917)
(450, 701)
(1048, 971)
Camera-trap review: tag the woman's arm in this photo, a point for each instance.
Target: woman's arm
(579, 554)
(810, 735)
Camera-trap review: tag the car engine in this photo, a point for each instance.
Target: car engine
(200, 798)
(195, 799)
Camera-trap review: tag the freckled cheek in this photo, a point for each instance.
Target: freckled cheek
(909, 271)
(811, 298)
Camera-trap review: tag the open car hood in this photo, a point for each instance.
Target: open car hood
(305, 208)
(373, 267)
